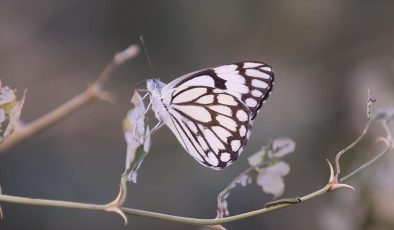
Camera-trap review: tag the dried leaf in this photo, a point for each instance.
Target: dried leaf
(244, 180)
(136, 132)
(2, 116)
(10, 110)
(283, 146)
(276, 149)
(222, 209)
(270, 172)
(271, 178)
(7, 95)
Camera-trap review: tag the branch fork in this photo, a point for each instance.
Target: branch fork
(116, 205)
(333, 181)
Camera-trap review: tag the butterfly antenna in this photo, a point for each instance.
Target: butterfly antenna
(147, 55)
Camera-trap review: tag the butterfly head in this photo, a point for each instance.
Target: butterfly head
(154, 86)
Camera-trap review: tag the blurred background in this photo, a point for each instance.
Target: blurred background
(326, 54)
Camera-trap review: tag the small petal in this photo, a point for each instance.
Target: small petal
(271, 178)
(283, 146)
(257, 158)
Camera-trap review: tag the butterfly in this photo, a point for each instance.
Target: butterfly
(211, 111)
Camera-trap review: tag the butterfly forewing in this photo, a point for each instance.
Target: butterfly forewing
(251, 82)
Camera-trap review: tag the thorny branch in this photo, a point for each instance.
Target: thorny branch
(93, 92)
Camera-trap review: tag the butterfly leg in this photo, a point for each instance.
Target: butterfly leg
(148, 107)
(154, 129)
(144, 91)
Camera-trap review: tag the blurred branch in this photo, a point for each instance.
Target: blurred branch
(388, 141)
(93, 92)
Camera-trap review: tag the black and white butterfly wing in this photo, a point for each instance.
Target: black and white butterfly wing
(210, 124)
(251, 82)
(212, 110)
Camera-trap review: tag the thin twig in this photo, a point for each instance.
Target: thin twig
(340, 154)
(389, 145)
(153, 215)
(93, 92)
(331, 185)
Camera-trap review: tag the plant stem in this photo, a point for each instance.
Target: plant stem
(389, 146)
(154, 215)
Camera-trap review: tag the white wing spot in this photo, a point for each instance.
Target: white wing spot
(259, 84)
(256, 73)
(251, 65)
(214, 142)
(221, 109)
(225, 69)
(208, 99)
(257, 93)
(235, 94)
(225, 157)
(251, 102)
(266, 68)
(211, 159)
(233, 76)
(237, 87)
(242, 130)
(203, 80)
(242, 115)
(235, 145)
(226, 99)
(189, 95)
(227, 122)
(221, 132)
(195, 112)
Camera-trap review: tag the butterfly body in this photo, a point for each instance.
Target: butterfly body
(211, 111)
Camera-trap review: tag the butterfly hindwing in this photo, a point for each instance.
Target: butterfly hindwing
(212, 124)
